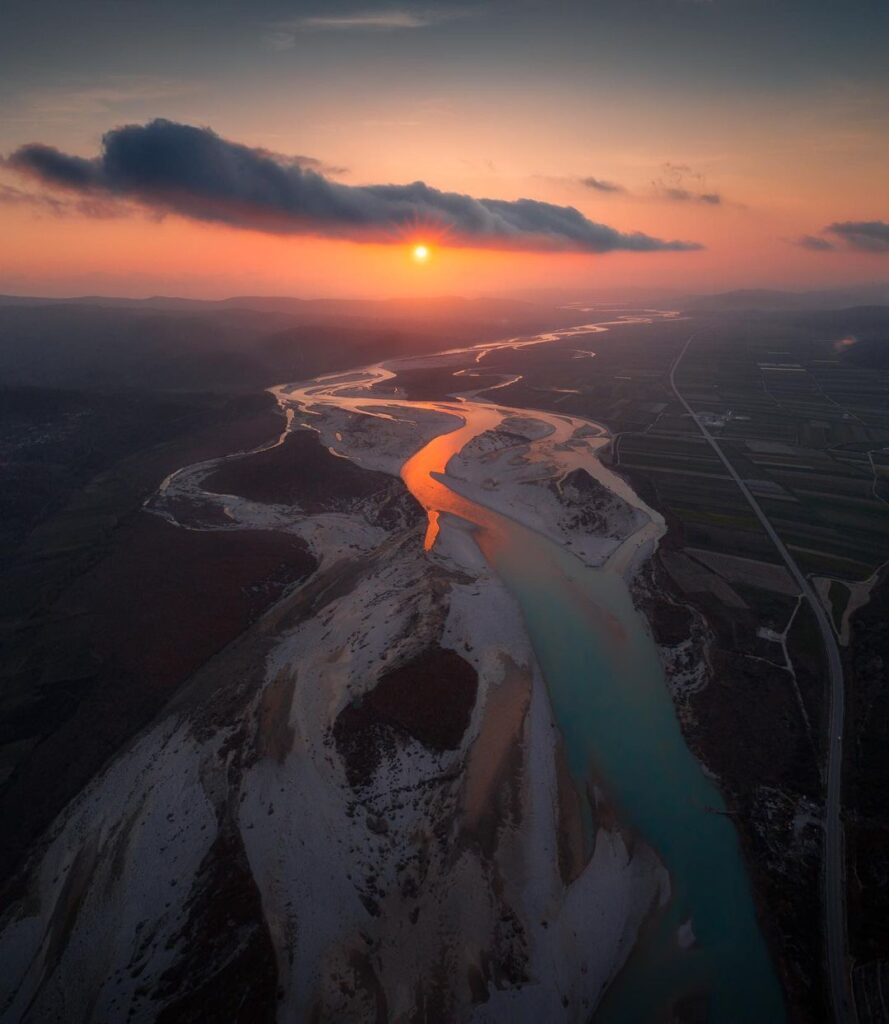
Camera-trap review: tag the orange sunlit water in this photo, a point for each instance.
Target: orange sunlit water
(419, 475)
(433, 458)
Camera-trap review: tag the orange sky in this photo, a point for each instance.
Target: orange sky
(787, 159)
(45, 254)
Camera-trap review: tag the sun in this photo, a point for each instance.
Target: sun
(421, 253)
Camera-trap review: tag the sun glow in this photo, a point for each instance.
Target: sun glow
(421, 253)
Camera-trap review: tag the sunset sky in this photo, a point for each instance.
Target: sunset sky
(702, 144)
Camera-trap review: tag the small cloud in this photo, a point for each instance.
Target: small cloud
(378, 20)
(863, 235)
(602, 186)
(280, 39)
(282, 35)
(680, 184)
(684, 195)
(678, 195)
(167, 167)
(814, 243)
(40, 202)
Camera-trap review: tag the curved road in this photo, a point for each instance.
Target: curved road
(834, 874)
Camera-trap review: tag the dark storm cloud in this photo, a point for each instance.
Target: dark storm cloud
(864, 235)
(814, 243)
(191, 171)
(602, 186)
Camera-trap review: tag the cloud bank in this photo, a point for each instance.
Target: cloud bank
(178, 168)
(864, 235)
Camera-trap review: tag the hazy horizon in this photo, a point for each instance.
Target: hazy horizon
(629, 294)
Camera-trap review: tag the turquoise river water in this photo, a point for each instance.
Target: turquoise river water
(612, 706)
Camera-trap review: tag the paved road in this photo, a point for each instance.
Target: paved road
(833, 868)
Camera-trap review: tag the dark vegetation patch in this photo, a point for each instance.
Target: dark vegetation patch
(438, 383)
(589, 501)
(430, 699)
(671, 623)
(580, 486)
(302, 472)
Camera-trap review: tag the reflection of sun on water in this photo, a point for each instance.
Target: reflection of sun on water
(421, 253)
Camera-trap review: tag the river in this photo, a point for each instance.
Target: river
(620, 729)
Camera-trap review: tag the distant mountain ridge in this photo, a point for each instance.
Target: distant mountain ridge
(291, 305)
(505, 304)
(776, 300)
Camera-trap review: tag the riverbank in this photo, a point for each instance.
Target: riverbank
(779, 837)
